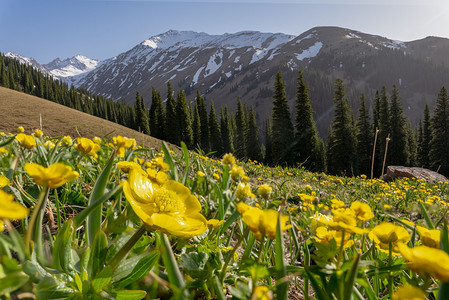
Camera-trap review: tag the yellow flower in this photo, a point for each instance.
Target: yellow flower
(214, 223)
(427, 260)
(157, 177)
(306, 197)
(325, 236)
(429, 237)
(386, 233)
(55, 175)
(38, 133)
(160, 164)
(201, 174)
(3, 150)
(86, 146)
(49, 145)
(409, 292)
(4, 181)
(123, 143)
(262, 293)
(96, 140)
(126, 166)
(169, 207)
(336, 204)
(20, 129)
(66, 141)
(26, 141)
(344, 219)
(216, 176)
(387, 206)
(362, 211)
(10, 209)
(244, 191)
(264, 191)
(261, 222)
(237, 172)
(228, 159)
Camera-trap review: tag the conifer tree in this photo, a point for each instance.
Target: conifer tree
(412, 146)
(397, 148)
(364, 138)
(142, 120)
(306, 136)
(157, 115)
(253, 143)
(138, 109)
(172, 131)
(3, 78)
(226, 131)
(439, 156)
(268, 158)
(342, 148)
(240, 133)
(424, 141)
(282, 127)
(216, 143)
(183, 120)
(202, 111)
(196, 127)
(384, 125)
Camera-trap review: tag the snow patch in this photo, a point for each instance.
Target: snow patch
(214, 63)
(258, 55)
(197, 74)
(311, 52)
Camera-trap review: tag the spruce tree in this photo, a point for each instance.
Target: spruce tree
(384, 126)
(196, 127)
(157, 115)
(226, 131)
(253, 143)
(412, 145)
(216, 143)
(268, 158)
(240, 133)
(282, 127)
(342, 152)
(439, 153)
(306, 136)
(397, 148)
(425, 138)
(202, 111)
(172, 131)
(183, 120)
(364, 138)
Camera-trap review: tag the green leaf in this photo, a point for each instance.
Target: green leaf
(174, 275)
(94, 219)
(194, 263)
(350, 278)
(102, 279)
(443, 292)
(139, 271)
(98, 252)
(12, 281)
(125, 267)
(62, 247)
(320, 292)
(426, 216)
(130, 295)
(281, 271)
(50, 288)
(235, 215)
(218, 288)
(169, 159)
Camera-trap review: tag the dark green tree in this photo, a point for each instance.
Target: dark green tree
(196, 127)
(202, 111)
(226, 130)
(268, 156)
(341, 154)
(424, 140)
(157, 115)
(183, 120)
(240, 132)
(172, 131)
(253, 149)
(282, 127)
(306, 136)
(216, 143)
(364, 138)
(439, 150)
(384, 126)
(397, 148)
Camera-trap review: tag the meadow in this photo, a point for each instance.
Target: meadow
(105, 218)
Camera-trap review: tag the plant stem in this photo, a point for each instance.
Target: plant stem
(36, 216)
(390, 260)
(340, 253)
(127, 247)
(231, 254)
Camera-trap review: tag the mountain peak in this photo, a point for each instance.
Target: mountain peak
(71, 66)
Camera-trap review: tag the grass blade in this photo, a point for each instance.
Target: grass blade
(281, 271)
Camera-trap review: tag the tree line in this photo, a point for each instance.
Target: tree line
(378, 137)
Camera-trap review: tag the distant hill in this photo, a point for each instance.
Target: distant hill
(19, 109)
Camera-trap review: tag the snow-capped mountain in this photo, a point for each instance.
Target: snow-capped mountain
(73, 66)
(28, 61)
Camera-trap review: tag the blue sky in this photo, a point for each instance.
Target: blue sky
(46, 29)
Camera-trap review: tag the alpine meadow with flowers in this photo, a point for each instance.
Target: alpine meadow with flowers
(105, 218)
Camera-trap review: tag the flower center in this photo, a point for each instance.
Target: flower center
(167, 201)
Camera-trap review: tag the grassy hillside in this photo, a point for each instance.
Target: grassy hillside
(19, 109)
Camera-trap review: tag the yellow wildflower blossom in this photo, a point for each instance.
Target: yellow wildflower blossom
(55, 175)
(87, 146)
(244, 191)
(157, 177)
(427, 260)
(3, 150)
(214, 223)
(10, 209)
(409, 292)
(38, 133)
(386, 233)
(49, 145)
(362, 211)
(20, 129)
(126, 166)
(325, 236)
(169, 207)
(96, 140)
(429, 237)
(261, 293)
(66, 140)
(4, 181)
(161, 164)
(237, 172)
(261, 222)
(26, 141)
(228, 159)
(264, 191)
(123, 143)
